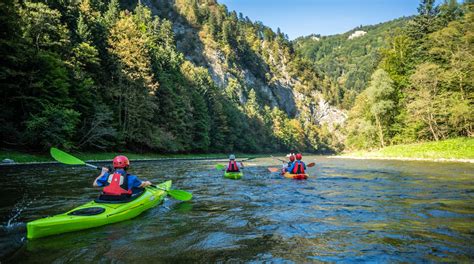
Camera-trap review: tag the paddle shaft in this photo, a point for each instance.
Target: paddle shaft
(93, 166)
(284, 161)
(251, 158)
(157, 187)
(271, 169)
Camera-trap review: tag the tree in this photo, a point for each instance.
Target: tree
(425, 22)
(42, 27)
(380, 95)
(128, 43)
(360, 130)
(13, 58)
(449, 11)
(252, 107)
(427, 103)
(112, 13)
(135, 83)
(452, 47)
(397, 59)
(54, 126)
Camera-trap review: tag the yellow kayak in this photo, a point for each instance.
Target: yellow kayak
(296, 176)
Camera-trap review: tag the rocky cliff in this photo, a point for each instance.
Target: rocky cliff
(274, 83)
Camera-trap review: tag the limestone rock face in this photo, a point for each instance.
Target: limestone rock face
(273, 83)
(356, 34)
(328, 114)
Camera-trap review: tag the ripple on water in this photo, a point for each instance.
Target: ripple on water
(364, 211)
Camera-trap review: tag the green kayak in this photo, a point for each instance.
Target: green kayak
(97, 213)
(233, 175)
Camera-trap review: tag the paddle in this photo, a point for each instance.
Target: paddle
(284, 161)
(277, 169)
(69, 159)
(247, 159)
(221, 166)
(176, 194)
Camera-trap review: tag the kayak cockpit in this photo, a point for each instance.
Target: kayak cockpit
(87, 211)
(136, 192)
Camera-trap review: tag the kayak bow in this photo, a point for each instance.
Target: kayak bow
(233, 175)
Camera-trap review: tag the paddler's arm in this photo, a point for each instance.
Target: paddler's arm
(145, 184)
(290, 168)
(102, 173)
(134, 182)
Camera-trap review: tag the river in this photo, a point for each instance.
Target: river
(350, 210)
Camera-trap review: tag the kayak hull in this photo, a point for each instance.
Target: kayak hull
(109, 213)
(296, 176)
(233, 175)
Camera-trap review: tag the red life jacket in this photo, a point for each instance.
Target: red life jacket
(298, 168)
(232, 167)
(118, 184)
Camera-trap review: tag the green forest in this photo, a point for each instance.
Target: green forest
(124, 76)
(406, 80)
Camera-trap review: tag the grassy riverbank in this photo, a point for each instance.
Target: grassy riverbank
(22, 157)
(451, 149)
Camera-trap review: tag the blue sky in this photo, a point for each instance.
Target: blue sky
(326, 17)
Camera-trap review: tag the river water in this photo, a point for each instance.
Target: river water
(350, 210)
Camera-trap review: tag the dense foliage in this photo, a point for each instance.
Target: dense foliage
(110, 75)
(345, 63)
(417, 85)
(93, 75)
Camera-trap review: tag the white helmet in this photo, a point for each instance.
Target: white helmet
(232, 157)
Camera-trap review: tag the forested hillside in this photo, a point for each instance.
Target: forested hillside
(111, 75)
(346, 61)
(189, 76)
(404, 81)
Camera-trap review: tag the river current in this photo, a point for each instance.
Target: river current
(349, 210)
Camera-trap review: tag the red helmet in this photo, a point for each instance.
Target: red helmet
(121, 162)
(292, 158)
(299, 156)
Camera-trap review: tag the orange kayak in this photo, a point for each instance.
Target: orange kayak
(296, 176)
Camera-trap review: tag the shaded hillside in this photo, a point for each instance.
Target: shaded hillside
(111, 75)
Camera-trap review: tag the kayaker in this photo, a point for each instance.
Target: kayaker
(298, 167)
(289, 164)
(233, 165)
(119, 183)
